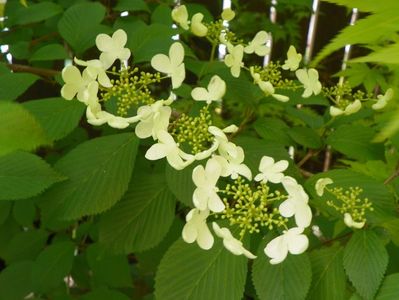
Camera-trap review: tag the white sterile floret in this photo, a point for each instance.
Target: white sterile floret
(225, 147)
(205, 179)
(215, 91)
(228, 14)
(167, 147)
(171, 65)
(95, 69)
(296, 203)
(292, 241)
(351, 108)
(112, 48)
(234, 166)
(383, 100)
(310, 80)
(197, 27)
(180, 16)
(266, 86)
(321, 185)
(348, 220)
(75, 83)
(234, 59)
(271, 171)
(258, 44)
(293, 59)
(231, 243)
(197, 230)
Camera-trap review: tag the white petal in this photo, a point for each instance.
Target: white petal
(189, 233)
(265, 163)
(120, 38)
(243, 170)
(287, 208)
(197, 28)
(205, 239)
(297, 244)
(200, 199)
(200, 94)
(143, 129)
(104, 42)
(156, 151)
(198, 176)
(303, 215)
(178, 76)
(277, 250)
(71, 74)
(161, 63)
(215, 204)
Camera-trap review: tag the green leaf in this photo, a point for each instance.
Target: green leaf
(306, 137)
(389, 289)
(131, 5)
(288, 280)
(24, 212)
(104, 294)
(386, 55)
(355, 142)
(12, 85)
(36, 12)
(15, 281)
(273, 130)
(99, 172)
(80, 25)
(49, 52)
(181, 183)
(24, 175)
(5, 208)
(329, 282)
(392, 226)
(57, 116)
(365, 262)
(142, 218)
(188, 272)
(52, 265)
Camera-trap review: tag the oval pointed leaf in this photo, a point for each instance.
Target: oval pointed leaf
(389, 289)
(181, 183)
(13, 85)
(15, 281)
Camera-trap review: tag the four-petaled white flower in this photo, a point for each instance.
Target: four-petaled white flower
(228, 14)
(167, 147)
(321, 185)
(233, 166)
(215, 91)
(95, 69)
(293, 59)
(112, 48)
(271, 171)
(383, 100)
(348, 220)
(310, 80)
(351, 108)
(292, 241)
(225, 148)
(234, 59)
(258, 44)
(266, 86)
(231, 243)
(197, 27)
(180, 16)
(76, 84)
(205, 195)
(197, 230)
(171, 65)
(296, 203)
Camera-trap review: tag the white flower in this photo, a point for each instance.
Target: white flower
(266, 87)
(351, 108)
(321, 184)
(258, 44)
(233, 166)
(351, 223)
(205, 195)
(196, 229)
(75, 83)
(271, 171)
(293, 59)
(296, 204)
(197, 27)
(310, 80)
(112, 48)
(228, 14)
(171, 65)
(291, 241)
(234, 59)
(383, 99)
(95, 69)
(215, 91)
(226, 148)
(230, 243)
(167, 147)
(180, 16)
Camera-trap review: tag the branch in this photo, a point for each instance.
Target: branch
(393, 175)
(327, 159)
(28, 69)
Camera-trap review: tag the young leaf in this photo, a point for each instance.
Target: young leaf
(188, 272)
(143, 216)
(389, 289)
(15, 281)
(365, 262)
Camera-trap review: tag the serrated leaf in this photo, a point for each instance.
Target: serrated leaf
(289, 280)
(57, 116)
(15, 281)
(24, 175)
(181, 183)
(99, 172)
(389, 289)
(365, 262)
(49, 52)
(142, 218)
(188, 272)
(367, 5)
(13, 85)
(329, 282)
(52, 265)
(306, 137)
(273, 130)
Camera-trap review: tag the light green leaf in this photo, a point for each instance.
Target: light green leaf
(181, 183)
(131, 5)
(187, 272)
(52, 265)
(15, 281)
(13, 85)
(329, 282)
(99, 171)
(389, 289)
(142, 218)
(367, 5)
(24, 175)
(306, 137)
(365, 262)
(36, 12)
(49, 52)
(57, 116)
(289, 280)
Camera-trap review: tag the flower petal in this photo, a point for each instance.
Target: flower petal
(156, 151)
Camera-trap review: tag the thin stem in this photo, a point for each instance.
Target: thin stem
(213, 51)
(28, 69)
(393, 175)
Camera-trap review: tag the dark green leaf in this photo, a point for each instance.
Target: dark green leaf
(104, 294)
(131, 5)
(13, 85)
(24, 212)
(273, 130)
(36, 12)
(181, 183)
(15, 281)
(49, 52)
(306, 137)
